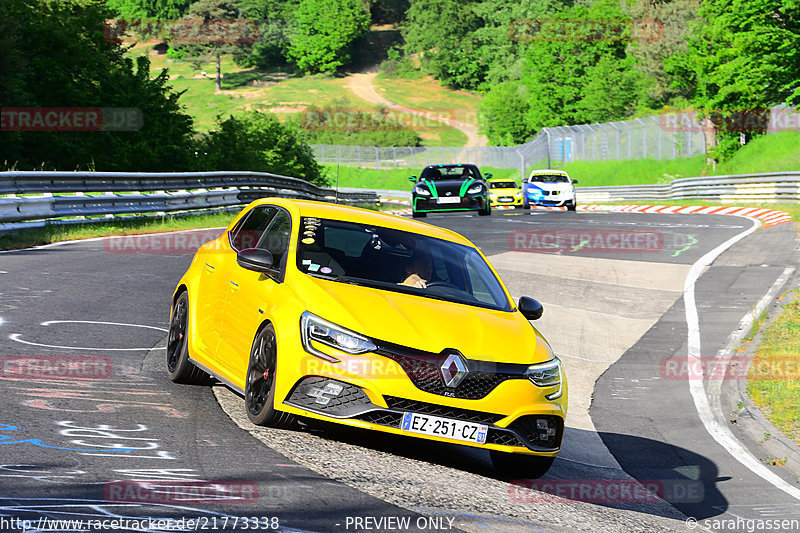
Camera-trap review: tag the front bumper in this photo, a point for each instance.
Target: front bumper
(558, 200)
(505, 200)
(375, 389)
(465, 203)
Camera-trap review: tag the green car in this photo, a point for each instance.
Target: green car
(455, 187)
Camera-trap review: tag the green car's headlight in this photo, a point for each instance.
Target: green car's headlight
(547, 374)
(422, 191)
(475, 189)
(320, 330)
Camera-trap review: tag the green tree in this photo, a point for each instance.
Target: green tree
(76, 67)
(258, 142)
(273, 18)
(669, 23)
(205, 14)
(144, 9)
(502, 114)
(324, 31)
(744, 56)
(583, 75)
(442, 32)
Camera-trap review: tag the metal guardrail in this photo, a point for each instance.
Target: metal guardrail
(54, 196)
(763, 187)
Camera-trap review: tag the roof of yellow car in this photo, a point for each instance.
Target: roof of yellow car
(308, 208)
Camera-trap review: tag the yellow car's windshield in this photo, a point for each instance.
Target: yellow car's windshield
(399, 261)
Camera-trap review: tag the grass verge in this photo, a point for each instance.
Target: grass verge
(773, 379)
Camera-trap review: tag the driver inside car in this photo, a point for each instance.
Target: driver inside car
(419, 271)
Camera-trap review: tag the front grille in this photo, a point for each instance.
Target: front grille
(328, 396)
(467, 415)
(506, 438)
(384, 418)
(424, 370)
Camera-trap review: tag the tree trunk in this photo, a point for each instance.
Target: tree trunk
(219, 71)
(710, 138)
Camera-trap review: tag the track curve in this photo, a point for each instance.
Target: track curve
(613, 314)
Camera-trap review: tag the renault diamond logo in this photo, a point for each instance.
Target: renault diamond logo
(454, 370)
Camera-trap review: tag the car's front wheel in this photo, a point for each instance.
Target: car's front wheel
(520, 466)
(486, 211)
(179, 368)
(259, 391)
(571, 206)
(417, 214)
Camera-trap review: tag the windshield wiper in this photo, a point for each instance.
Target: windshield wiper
(334, 277)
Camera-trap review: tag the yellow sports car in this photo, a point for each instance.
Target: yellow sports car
(369, 320)
(504, 192)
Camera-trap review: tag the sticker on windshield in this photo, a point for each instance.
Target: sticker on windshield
(313, 267)
(306, 262)
(326, 270)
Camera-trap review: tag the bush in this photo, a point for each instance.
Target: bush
(338, 124)
(258, 142)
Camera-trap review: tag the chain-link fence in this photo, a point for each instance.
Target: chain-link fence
(662, 137)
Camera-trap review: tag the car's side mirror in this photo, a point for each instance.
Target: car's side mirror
(487, 175)
(256, 259)
(413, 178)
(574, 181)
(530, 308)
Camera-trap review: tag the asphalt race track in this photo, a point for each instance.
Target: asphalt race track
(618, 310)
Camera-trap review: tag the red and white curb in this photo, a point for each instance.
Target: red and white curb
(769, 217)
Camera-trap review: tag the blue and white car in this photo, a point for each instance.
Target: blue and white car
(549, 188)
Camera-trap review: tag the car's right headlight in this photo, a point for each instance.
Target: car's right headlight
(422, 191)
(314, 328)
(547, 374)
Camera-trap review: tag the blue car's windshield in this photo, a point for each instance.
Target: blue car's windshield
(398, 261)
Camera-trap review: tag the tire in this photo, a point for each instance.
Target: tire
(417, 214)
(486, 211)
(179, 368)
(571, 206)
(259, 391)
(515, 465)
(526, 206)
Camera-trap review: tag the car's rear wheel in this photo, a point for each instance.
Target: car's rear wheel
(259, 392)
(417, 214)
(179, 368)
(520, 466)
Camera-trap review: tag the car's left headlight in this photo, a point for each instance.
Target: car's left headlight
(422, 191)
(547, 374)
(475, 189)
(320, 330)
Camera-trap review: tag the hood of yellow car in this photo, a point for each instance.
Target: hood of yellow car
(425, 323)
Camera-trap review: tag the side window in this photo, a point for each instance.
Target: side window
(250, 229)
(276, 238)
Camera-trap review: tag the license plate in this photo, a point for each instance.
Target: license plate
(444, 427)
(449, 200)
